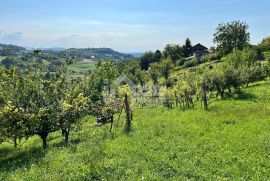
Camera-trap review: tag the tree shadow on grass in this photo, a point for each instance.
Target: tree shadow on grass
(258, 84)
(4, 151)
(128, 129)
(240, 96)
(22, 159)
(60, 143)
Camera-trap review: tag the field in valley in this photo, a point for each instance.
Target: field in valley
(82, 66)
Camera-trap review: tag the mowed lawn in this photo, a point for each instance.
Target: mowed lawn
(231, 141)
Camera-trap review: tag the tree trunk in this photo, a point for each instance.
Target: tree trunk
(205, 101)
(217, 94)
(109, 89)
(218, 91)
(230, 91)
(222, 94)
(128, 115)
(111, 123)
(119, 116)
(66, 135)
(191, 102)
(44, 136)
(15, 142)
(176, 100)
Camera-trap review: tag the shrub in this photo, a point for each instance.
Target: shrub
(206, 58)
(265, 44)
(191, 63)
(210, 57)
(182, 61)
(167, 97)
(267, 56)
(169, 82)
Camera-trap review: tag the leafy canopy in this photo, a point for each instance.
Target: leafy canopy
(229, 36)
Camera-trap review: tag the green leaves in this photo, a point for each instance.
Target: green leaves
(166, 68)
(174, 52)
(265, 44)
(231, 36)
(38, 101)
(243, 67)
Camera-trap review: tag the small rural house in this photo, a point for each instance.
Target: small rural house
(198, 51)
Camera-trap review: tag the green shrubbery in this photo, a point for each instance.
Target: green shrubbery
(191, 63)
(265, 44)
(210, 57)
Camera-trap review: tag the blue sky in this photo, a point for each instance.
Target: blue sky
(125, 25)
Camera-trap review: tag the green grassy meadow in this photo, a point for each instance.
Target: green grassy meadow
(82, 66)
(231, 141)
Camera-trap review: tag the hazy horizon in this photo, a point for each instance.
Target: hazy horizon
(125, 26)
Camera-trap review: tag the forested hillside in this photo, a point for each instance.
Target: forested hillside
(95, 53)
(9, 50)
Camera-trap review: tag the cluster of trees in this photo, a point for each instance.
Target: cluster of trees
(264, 46)
(158, 65)
(94, 53)
(228, 37)
(174, 52)
(242, 64)
(36, 101)
(158, 73)
(45, 98)
(180, 95)
(23, 59)
(239, 69)
(9, 50)
(8, 62)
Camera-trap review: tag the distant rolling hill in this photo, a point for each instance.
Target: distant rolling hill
(95, 53)
(78, 53)
(8, 50)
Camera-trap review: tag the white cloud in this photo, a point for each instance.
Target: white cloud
(10, 37)
(93, 33)
(107, 39)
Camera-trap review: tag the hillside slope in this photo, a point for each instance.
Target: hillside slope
(230, 141)
(94, 53)
(8, 50)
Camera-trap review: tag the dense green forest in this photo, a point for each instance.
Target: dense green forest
(182, 113)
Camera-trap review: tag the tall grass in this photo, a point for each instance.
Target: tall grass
(231, 141)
